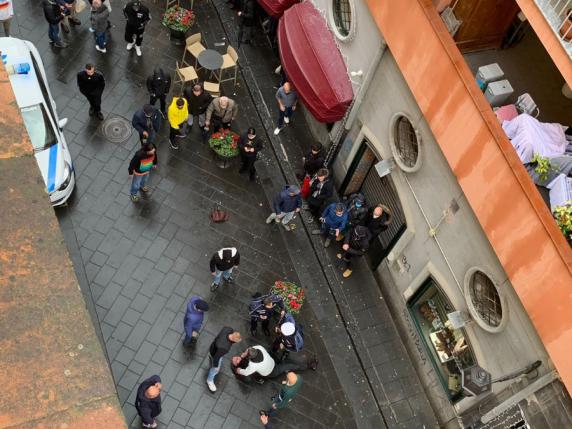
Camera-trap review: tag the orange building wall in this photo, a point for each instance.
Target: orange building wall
(533, 252)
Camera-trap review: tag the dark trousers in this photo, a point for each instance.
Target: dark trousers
(282, 114)
(162, 100)
(248, 165)
(315, 206)
(94, 102)
(131, 31)
(54, 32)
(217, 124)
(265, 324)
(246, 31)
(347, 260)
(173, 132)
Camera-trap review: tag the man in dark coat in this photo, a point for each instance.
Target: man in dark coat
(249, 147)
(220, 347)
(148, 401)
(147, 122)
(91, 84)
(246, 16)
(378, 220)
(262, 308)
(286, 204)
(355, 244)
(321, 189)
(222, 263)
(137, 17)
(314, 160)
(158, 85)
(198, 101)
(357, 212)
(54, 14)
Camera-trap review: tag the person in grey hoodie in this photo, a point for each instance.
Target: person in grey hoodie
(99, 17)
(286, 204)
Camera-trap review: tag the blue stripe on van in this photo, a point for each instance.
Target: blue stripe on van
(52, 162)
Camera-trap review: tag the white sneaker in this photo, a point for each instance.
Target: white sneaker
(211, 386)
(138, 50)
(286, 120)
(103, 51)
(129, 46)
(277, 131)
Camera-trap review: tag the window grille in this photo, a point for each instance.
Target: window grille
(406, 144)
(485, 299)
(342, 16)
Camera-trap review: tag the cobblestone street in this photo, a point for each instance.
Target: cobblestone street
(139, 263)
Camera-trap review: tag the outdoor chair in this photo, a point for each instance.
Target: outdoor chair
(184, 75)
(212, 88)
(230, 60)
(194, 46)
(526, 104)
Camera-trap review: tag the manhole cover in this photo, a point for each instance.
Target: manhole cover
(116, 129)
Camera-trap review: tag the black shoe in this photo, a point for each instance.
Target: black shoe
(173, 145)
(91, 111)
(99, 116)
(313, 364)
(230, 280)
(214, 287)
(259, 380)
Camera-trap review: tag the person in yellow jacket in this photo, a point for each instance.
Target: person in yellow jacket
(178, 114)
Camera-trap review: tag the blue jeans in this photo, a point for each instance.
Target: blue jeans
(281, 114)
(138, 183)
(218, 274)
(100, 39)
(214, 370)
(54, 32)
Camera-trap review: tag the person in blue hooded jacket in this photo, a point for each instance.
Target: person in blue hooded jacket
(194, 319)
(334, 219)
(286, 204)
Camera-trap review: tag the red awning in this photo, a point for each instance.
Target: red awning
(276, 8)
(313, 62)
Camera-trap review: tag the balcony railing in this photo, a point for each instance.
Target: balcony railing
(558, 13)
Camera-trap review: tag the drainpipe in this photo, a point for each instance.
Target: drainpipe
(350, 117)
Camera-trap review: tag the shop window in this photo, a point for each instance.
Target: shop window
(405, 144)
(485, 301)
(342, 14)
(448, 348)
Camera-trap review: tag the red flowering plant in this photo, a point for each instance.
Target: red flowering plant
(225, 143)
(178, 18)
(292, 294)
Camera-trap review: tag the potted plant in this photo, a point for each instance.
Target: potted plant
(292, 294)
(543, 167)
(225, 145)
(178, 20)
(563, 216)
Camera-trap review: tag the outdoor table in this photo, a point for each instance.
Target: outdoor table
(210, 59)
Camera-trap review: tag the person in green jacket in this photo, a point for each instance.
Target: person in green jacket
(290, 388)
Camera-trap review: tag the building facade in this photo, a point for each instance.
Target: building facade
(470, 236)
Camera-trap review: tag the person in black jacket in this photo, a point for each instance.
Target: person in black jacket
(198, 101)
(147, 122)
(219, 347)
(144, 160)
(355, 244)
(158, 85)
(357, 213)
(54, 14)
(91, 84)
(222, 263)
(314, 160)
(321, 189)
(148, 401)
(137, 17)
(249, 147)
(246, 16)
(378, 220)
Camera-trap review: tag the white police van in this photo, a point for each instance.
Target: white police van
(40, 118)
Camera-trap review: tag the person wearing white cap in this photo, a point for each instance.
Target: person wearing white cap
(286, 204)
(290, 338)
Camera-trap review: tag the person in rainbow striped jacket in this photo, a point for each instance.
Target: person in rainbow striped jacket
(144, 160)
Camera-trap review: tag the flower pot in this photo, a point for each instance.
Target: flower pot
(223, 161)
(178, 36)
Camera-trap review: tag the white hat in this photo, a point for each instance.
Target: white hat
(287, 328)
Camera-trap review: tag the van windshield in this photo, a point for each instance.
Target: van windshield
(39, 127)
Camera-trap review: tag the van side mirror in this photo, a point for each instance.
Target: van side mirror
(62, 123)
